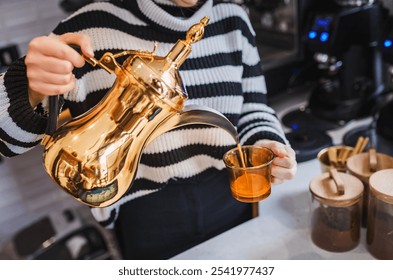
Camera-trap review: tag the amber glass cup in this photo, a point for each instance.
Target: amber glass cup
(249, 169)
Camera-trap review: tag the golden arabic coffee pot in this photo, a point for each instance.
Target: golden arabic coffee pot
(95, 156)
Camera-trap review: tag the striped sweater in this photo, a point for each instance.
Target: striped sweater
(223, 72)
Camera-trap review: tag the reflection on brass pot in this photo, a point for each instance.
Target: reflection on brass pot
(94, 157)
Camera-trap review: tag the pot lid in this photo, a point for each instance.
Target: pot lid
(359, 164)
(381, 184)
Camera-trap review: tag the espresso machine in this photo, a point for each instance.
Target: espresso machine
(380, 130)
(341, 38)
(385, 114)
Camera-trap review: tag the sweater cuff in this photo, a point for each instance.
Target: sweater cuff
(20, 110)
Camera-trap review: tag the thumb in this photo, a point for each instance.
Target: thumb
(277, 147)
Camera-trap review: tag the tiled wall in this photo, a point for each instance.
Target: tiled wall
(22, 20)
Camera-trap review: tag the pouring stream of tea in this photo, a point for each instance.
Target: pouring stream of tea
(243, 162)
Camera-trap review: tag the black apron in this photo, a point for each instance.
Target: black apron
(183, 214)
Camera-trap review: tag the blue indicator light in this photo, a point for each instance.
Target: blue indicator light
(324, 36)
(295, 126)
(388, 43)
(312, 34)
(323, 22)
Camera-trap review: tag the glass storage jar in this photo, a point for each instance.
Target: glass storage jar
(361, 166)
(380, 215)
(336, 206)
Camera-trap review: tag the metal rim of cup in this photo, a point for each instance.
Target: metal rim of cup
(235, 150)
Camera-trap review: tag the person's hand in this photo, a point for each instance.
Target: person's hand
(284, 165)
(49, 64)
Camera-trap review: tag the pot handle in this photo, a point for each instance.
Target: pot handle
(107, 62)
(55, 104)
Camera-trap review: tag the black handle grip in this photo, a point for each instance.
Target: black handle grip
(76, 48)
(53, 115)
(55, 103)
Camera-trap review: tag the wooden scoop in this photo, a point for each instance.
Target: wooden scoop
(344, 156)
(334, 174)
(361, 144)
(373, 159)
(332, 154)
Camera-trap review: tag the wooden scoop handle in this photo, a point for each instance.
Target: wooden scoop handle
(373, 159)
(332, 155)
(337, 180)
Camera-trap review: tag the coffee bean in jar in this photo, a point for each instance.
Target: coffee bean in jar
(380, 215)
(336, 200)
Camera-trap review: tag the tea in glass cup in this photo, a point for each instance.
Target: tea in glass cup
(249, 169)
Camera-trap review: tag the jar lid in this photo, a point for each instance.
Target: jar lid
(381, 184)
(359, 164)
(325, 188)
